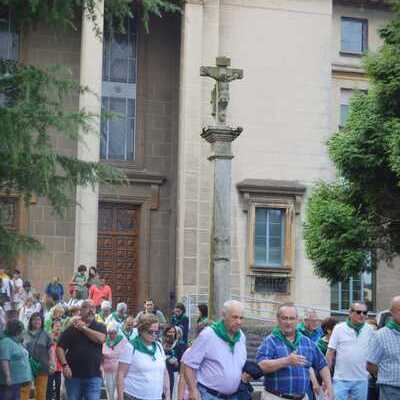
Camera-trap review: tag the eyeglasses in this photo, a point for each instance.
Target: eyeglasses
(152, 332)
(359, 312)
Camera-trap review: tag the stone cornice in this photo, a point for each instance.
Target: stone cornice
(346, 71)
(378, 4)
(271, 186)
(214, 134)
(144, 177)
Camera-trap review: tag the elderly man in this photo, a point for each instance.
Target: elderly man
(384, 355)
(311, 326)
(80, 353)
(348, 346)
(213, 366)
(286, 356)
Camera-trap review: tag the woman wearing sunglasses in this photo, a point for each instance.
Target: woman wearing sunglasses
(142, 372)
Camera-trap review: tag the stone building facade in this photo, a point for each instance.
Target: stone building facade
(150, 237)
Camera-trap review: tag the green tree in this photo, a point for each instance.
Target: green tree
(359, 214)
(33, 111)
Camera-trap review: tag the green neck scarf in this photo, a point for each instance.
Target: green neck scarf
(113, 343)
(357, 327)
(117, 317)
(221, 332)
(393, 325)
(322, 345)
(138, 345)
(277, 332)
(305, 331)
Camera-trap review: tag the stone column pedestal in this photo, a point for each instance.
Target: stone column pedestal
(220, 138)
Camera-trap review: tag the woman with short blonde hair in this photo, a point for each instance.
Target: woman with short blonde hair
(142, 373)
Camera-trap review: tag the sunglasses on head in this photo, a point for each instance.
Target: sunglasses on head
(359, 312)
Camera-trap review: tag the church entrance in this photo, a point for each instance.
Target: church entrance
(117, 250)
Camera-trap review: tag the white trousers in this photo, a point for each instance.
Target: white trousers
(110, 382)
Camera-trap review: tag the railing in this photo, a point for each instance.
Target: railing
(255, 309)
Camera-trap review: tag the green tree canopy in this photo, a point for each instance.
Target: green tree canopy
(359, 214)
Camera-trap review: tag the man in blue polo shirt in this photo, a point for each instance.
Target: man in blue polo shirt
(286, 356)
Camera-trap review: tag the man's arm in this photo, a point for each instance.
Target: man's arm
(327, 382)
(190, 378)
(121, 373)
(372, 369)
(65, 367)
(94, 336)
(272, 365)
(330, 357)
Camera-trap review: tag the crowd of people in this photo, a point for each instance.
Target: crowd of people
(53, 348)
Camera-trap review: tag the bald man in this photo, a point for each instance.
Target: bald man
(384, 355)
(213, 366)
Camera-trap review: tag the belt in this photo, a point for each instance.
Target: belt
(284, 396)
(215, 393)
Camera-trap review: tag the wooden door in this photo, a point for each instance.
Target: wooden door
(117, 250)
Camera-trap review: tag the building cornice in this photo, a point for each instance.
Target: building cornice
(377, 4)
(347, 71)
(271, 186)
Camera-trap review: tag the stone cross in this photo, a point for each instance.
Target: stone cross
(222, 75)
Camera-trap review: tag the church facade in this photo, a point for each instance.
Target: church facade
(150, 237)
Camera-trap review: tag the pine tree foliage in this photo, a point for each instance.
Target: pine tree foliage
(359, 214)
(34, 111)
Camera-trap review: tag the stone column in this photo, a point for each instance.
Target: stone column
(89, 147)
(220, 138)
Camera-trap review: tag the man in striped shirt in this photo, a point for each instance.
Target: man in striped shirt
(384, 355)
(286, 356)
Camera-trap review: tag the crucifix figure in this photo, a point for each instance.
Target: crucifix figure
(222, 75)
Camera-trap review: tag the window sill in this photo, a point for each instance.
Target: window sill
(275, 271)
(350, 54)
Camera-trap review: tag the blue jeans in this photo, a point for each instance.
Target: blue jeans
(388, 392)
(208, 396)
(87, 389)
(10, 392)
(357, 389)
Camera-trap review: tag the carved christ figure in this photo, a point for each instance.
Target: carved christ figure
(222, 75)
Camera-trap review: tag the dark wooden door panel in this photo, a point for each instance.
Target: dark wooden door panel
(117, 250)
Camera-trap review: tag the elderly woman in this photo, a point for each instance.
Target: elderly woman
(41, 358)
(119, 315)
(14, 362)
(142, 373)
(105, 311)
(129, 329)
(112, 350)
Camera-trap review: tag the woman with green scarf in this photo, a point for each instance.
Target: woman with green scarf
(142, 372)
(112, 349)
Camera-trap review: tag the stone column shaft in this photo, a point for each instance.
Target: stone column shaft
(221, 156)
(89, 148)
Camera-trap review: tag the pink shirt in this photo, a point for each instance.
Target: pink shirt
(112, 355)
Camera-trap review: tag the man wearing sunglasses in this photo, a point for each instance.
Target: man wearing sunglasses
(347, 351)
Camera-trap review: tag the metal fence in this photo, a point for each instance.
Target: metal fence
(255, 308)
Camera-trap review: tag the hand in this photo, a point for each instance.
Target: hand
(52, 369)
(246, 378)
(8, 381)
(296, 360)
(316, 389)
(329, 394)
(194, 394)
(67, 372)
(79, 324)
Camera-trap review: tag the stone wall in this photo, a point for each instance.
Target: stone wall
(43, 46)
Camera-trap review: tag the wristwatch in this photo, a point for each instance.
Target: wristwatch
(64, 365)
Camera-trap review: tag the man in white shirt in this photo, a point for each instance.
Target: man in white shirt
(348, 350)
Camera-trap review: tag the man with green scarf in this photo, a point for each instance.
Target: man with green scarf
(286, 357)
(384, 355)
(348, 346)
(213, 366)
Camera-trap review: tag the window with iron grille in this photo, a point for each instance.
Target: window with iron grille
(270, 284)
(119, 94)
